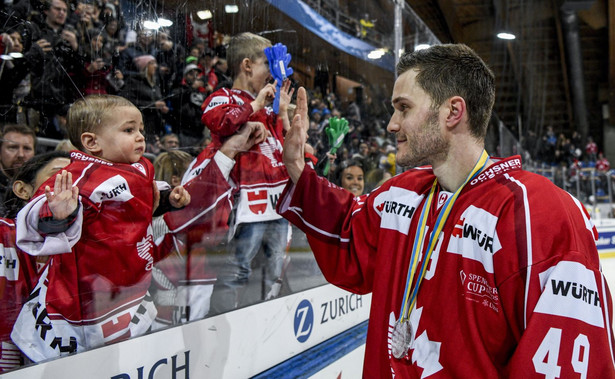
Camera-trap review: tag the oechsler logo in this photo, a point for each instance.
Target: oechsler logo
(304, 321)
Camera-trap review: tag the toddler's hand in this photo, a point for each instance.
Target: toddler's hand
(65, 198)
(179, 197)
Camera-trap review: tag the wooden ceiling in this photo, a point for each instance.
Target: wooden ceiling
(534, 85)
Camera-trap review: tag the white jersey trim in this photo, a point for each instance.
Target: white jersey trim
(297, 210)
(528, 233)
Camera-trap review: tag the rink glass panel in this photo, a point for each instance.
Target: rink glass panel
(337, 66)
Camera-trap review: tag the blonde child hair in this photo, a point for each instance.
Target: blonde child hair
(245, 45)
(170, 166)
(89, 114)
(65, 145)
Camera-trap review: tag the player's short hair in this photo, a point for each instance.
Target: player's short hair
(451, 70)
(90, 113)
(244, 45)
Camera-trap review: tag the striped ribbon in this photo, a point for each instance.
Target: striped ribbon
(410, 294)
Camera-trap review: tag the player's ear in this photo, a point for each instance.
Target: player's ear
(456, 111)
(89, 142)
(22, 190)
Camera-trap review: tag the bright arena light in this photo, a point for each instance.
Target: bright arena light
(151, 25)
(204, 14)
(376, 54)
(506, 35)
(164, 22)
(231, 8)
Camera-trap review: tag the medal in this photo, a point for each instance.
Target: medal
(402, 339)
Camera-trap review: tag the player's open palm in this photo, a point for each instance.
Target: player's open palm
(65, 198)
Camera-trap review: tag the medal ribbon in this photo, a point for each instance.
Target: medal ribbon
(411, 294)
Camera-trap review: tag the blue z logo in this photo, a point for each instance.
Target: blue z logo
(304, 320)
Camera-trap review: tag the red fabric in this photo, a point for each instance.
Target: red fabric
(259, 173)
(98, 285)
(18, 275)
(603, 165)
(512, 289)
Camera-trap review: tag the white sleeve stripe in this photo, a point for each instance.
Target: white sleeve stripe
(297, 211)
(82, 174)
(7, 223)
(205, 211)
(528, 232)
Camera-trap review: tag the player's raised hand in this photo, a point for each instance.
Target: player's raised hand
(64, 199)
(296, 137)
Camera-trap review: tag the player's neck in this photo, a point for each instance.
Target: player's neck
(455, 167)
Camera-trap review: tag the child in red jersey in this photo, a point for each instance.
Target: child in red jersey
(19, 271)
(94, 291)
(259, 175)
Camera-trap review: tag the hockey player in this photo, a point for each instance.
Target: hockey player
(94, 291)
(477, 268)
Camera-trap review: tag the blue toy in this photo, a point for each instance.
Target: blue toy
(278, 65)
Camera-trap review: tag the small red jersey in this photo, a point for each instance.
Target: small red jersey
(96, 292)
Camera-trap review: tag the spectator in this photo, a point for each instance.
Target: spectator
(259, 173)
(14, 78)
(18, 280)
(100, 77)
(170, 166)
(350, 176)
(591, 149)
(17, 145)
(186, 101)
(206, 63)
(170, 59)
(144, 92)
(113, 207)
(602, 164)
(169, 142)
(57, 81)
(221, 71)
(115, 40)
(84, 19)
(144, 46)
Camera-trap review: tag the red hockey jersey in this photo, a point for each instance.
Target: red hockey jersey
(259, 173)
(183, 282)
(513, 287)
(18, 275)
(96, 292)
